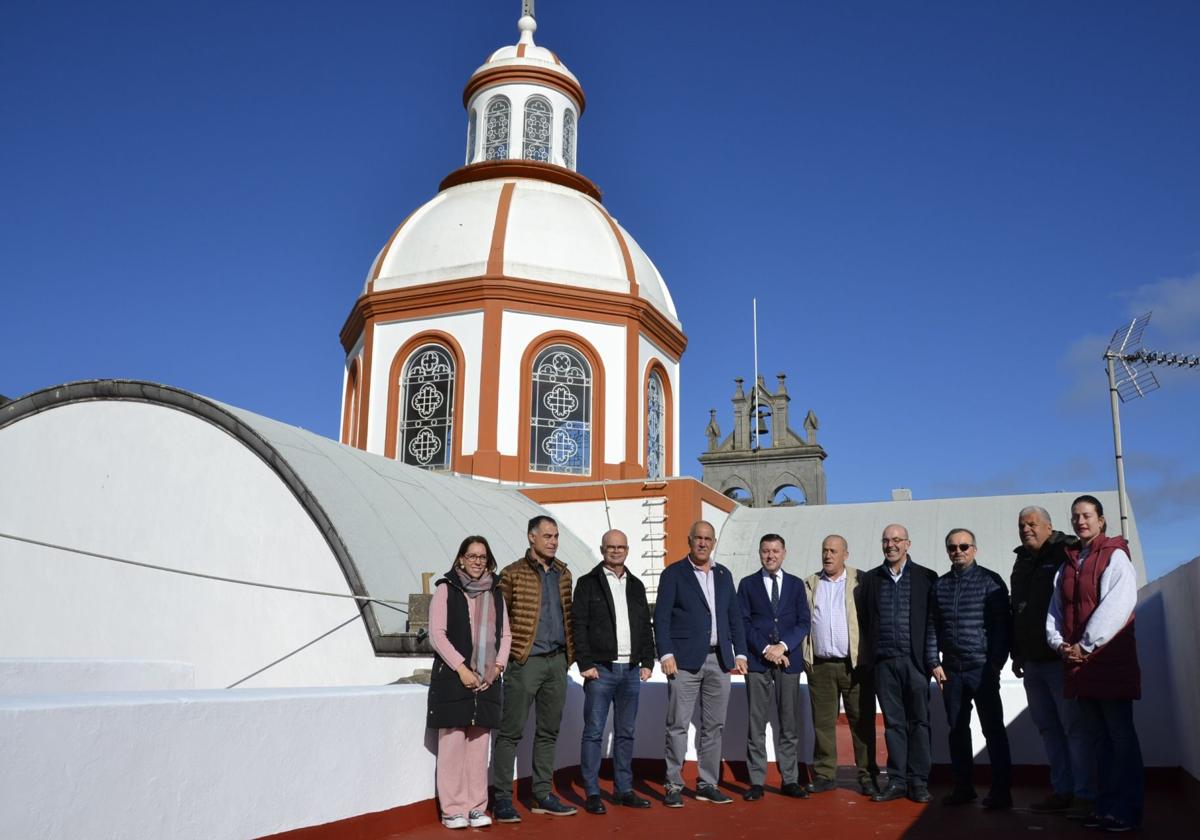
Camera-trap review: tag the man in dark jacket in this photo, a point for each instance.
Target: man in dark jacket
(1039, 557)
(895, 624)
(774, 609)
(971, 619)
(614, 647)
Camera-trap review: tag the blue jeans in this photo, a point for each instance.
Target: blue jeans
(1118, 758)
(1068, 747)
(617, 685)
(979, 684)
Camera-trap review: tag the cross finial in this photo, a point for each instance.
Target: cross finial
(527, 8)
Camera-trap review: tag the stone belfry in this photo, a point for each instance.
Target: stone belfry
(763, 458)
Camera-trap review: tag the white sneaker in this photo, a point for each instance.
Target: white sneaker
(478, 819)
(456, 821)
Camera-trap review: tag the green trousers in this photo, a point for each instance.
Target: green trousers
(827, 683)
(541, 680)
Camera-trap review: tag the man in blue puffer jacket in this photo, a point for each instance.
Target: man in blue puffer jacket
(973, 633)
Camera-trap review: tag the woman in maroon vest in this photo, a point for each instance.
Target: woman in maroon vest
(468, 627)
(1090, 624)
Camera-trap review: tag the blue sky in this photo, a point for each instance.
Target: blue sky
(944, 210)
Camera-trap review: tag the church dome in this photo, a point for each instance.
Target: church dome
(525, 228)
(526, 57)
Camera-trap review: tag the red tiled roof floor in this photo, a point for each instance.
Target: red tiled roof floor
(1172, 804)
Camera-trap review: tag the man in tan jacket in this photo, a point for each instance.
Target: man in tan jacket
(537, 593)
(831, 663)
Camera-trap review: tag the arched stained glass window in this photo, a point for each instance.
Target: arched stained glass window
(427, 425)
(568, 141)
(472, 126)
(656, 418)
(538, 117)
(561, 414)
(495, 141)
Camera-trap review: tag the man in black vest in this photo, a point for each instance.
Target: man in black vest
(614, 647)
(895, 627)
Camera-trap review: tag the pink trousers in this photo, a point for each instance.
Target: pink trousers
(462, 769)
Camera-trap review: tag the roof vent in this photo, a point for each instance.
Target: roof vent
(901, 494)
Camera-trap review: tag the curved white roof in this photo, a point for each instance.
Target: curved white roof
(552, 233)
(526, 53)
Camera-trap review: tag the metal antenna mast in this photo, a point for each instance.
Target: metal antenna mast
(1133, 379)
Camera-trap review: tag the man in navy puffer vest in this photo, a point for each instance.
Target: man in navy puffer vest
(973, 633)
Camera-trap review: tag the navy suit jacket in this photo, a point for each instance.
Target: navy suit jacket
(682, 621)
(789, 625)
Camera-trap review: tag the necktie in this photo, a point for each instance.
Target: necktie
(774, 592)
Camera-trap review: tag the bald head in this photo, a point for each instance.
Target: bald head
(834, 551)
(895, 544)
(614, 549)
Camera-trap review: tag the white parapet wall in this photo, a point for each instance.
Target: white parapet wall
(39, 676)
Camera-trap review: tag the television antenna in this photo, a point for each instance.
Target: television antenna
(1130, 377)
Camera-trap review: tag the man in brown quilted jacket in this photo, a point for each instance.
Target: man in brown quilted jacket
(537, 592)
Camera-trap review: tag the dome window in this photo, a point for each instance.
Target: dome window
(656, 413)
(561, 413)
(568, 140)
(538, 119)
(472, 125)
(427, 386)
(499, 112)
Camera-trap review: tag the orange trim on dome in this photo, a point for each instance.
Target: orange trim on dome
(524, 73)
(520, 50)
(495, 262)
(518, 294)
(630, 274)
(488, 170)
(378, 266)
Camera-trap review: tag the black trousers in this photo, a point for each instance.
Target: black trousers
(903, 694)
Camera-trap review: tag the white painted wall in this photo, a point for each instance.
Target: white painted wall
(156, 485)
(467, 330)
(35, 676)
(517, 331)
(587, 520)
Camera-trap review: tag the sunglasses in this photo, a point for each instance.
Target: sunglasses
(960, 546)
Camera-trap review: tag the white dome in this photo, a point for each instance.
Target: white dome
(552, 233)
(526, 53)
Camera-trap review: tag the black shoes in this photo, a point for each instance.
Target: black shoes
(753, 793)
(794, 790)
(868, 787)
(960, 797)
(920, 793)
(673, 797)
(595, 805)
(709, 793)
(552, 806)
(1053, 804)
(820, 785)
(504, 812)
(889, 793)
(630, 800)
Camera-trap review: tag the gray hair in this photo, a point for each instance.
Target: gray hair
(1039, 510)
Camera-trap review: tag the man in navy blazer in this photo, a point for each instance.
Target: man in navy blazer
(774, 607)
(700, 639)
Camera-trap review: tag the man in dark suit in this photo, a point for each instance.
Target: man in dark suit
(614, 647)
(774, 609)
(700, 639)
(895, 626)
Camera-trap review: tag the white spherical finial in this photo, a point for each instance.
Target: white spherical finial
(527, 25)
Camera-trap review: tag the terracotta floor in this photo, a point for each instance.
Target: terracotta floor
(1172, 811)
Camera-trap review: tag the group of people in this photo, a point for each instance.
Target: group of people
(504, 641)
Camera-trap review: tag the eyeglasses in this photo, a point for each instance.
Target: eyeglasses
(895, 540)
(475, 557)
(614, 548)
(960, 546)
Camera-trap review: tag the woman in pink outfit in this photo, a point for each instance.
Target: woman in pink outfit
(468, 626)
